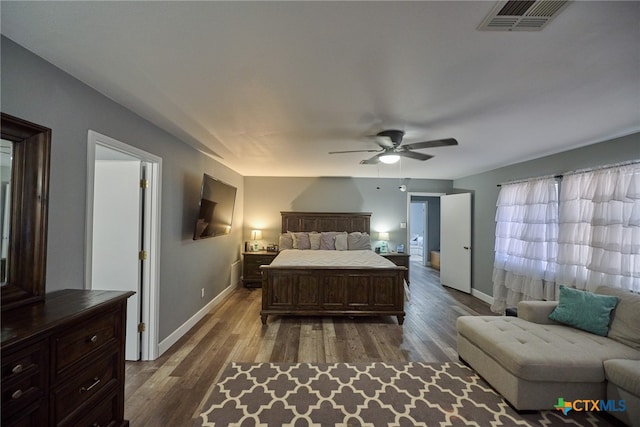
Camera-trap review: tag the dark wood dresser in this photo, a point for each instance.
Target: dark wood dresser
(63, 360)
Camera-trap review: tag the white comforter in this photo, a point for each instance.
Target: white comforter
(320, 258)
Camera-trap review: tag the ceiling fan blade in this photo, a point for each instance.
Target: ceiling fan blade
(414, 155)
(430, 144)
(354, 151)
(372, 161)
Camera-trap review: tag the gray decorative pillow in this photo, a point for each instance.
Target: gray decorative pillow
(341, 242)
(625, 319)
(286, 241)
(358, 241)
(328, 240)
(314, 239)
(301, 241)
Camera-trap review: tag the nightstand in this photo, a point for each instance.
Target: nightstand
(401, 260)
(251, 277)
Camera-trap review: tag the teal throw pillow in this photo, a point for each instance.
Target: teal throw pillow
(584, 310)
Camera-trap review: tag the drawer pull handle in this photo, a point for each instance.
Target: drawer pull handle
(96, 381)
(94, 339)
(17, 369)
(16, 394)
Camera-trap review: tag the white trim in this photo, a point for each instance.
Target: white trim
(186, 326)
(482, 296)
(151, 285)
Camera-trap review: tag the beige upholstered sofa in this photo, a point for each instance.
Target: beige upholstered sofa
(532, 360)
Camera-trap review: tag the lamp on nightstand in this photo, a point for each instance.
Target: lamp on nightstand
(383, 237)
(255, 236)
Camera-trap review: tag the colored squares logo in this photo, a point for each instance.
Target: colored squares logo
(563, 406)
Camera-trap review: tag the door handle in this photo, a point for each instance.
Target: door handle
(466, 247)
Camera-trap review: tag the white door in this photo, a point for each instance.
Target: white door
(455, 241)
(117, 238)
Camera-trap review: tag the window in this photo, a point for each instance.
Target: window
(585, 236)
(526, 243)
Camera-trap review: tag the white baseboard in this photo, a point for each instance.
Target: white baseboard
(186, 326)
(482, 296)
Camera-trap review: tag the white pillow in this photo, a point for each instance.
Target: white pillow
(314, 239)
(341, 242)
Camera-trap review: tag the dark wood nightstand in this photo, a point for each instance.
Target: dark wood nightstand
(251, 277)
(401, 260)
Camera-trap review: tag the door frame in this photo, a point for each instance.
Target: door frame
(151, 277)
(421, 194)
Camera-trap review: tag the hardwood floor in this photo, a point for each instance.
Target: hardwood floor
(171, 389)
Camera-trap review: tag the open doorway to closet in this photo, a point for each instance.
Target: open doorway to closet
(423, 230)
(123, 234)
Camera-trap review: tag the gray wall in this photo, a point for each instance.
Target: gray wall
(485, 190)
(266, 197)
(35, 90)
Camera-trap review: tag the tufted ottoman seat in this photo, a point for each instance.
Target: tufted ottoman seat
(532, 364)
(532, 360)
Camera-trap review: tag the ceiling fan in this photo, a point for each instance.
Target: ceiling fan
(390, 142)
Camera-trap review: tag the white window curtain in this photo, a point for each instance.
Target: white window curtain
(526, 243)
(599, 236)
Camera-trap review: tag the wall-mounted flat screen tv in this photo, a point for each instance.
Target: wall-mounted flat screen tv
(217, 200)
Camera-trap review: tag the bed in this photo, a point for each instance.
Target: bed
(327, 289)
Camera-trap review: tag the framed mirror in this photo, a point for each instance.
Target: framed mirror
(26, 151)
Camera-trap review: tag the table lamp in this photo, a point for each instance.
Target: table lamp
(255, 236)
(383, 237)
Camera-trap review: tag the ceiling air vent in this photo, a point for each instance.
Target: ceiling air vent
(514, 15)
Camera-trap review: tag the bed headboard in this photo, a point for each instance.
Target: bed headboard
(326, 221)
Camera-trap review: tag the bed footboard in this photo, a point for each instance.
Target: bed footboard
(332, 292)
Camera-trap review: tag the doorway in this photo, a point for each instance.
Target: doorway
(123, 234)
(418, 232)
(423, 230)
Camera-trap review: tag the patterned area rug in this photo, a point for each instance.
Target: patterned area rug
(367, 394)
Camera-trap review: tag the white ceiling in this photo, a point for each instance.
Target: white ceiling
(271, 87)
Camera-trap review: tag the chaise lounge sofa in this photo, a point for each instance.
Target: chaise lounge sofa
(532, 360)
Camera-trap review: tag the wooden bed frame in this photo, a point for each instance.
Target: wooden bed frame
(331, 291)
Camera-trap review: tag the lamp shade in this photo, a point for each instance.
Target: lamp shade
(256, 234)
(383, 235)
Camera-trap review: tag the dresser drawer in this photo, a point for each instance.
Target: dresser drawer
(102, 414)
(24, 378)
(92, 379)
(254, 262)
(32, 415)
(25, 361)
(21, 394)
(78, 341)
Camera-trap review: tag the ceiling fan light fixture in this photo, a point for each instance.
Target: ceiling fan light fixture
(389, 158)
